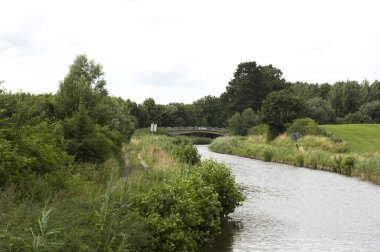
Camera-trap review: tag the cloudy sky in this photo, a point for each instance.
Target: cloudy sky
(180, 51)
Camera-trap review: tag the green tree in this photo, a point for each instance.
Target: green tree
(372, 110)
(84, 84)
(279, 109)
(209, 112)
(234, 124)
(250, 85)
(345, 97)
(320, 110)
(87, 141)
(239, 124)
(374, 91)
(150, 112)
(2, 89)
(357, 117)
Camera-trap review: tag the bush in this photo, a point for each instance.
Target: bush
(357, 117)
(261, 129)
(180, 214)
(347, 165)
(299, 160)
(30, 150)
(221, 179)
(305, 126)
(239, 124)
(187, 153)
(267, 155)
(89, 142)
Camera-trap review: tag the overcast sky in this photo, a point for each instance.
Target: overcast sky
(180, 51)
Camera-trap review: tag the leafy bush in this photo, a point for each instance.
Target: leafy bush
(267, 155)
(347, 165)
(30, 150)
(357, 117)
(180, 214)
(261, 129)
(187, 153)
(305, 126)
(239, 124)
(372, 110)
(90, 142)
(223, 182)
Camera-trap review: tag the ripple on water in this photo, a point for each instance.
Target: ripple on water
(297, 209)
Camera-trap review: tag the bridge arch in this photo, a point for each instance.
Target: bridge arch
(176, 131)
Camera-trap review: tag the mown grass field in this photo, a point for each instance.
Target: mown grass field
(359, 137)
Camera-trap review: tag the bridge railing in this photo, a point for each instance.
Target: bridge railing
(196, 128)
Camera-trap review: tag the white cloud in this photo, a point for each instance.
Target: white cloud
(183, 50)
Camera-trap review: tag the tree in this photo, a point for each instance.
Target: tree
(87, 141)
(2, 90)
(84, 84)
(320, 110)
(151, 112)
(374, 91)
(209, 112)
(250, 85)
(234, 124)
(239, 124)
(372, 110)
(279, 109)
(357, 117)
(345, 97)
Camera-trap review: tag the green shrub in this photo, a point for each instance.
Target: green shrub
(267, 155)
(32, 149)
(305, 126)
(299, 160)
(336, 163)
(222, 180)
(180, 214)
(261, 129)
(187, 153)
(347, 165)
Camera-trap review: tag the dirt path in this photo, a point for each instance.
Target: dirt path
(127, 164)
(142, 161)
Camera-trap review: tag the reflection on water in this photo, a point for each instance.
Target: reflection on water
(296, 209)
(224, 242)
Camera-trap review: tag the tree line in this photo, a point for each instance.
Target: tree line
(259, 94)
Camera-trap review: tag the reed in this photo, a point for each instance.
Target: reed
(316, 152)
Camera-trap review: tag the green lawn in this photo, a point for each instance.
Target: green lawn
(360, 137)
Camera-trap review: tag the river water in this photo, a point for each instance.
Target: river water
(298, 209)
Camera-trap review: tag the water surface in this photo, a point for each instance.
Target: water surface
(298, 209)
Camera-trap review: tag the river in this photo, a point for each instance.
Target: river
(297, 209)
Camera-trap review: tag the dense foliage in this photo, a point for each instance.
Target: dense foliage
(42, 134)
(279, 109)
(252, 84)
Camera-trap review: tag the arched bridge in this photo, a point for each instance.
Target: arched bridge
(175, 131)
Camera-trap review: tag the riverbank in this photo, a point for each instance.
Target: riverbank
(168, 205)
(314, 152)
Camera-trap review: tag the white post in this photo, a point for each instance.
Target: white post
(152, 127)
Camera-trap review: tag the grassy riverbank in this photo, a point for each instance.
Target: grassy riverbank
(172, 206)
(316, 152)
(360, 138)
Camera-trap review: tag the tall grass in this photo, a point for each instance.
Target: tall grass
(90, 208)
(316, 152)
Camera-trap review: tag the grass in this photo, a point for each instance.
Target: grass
(316, 152)
(361, 138)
